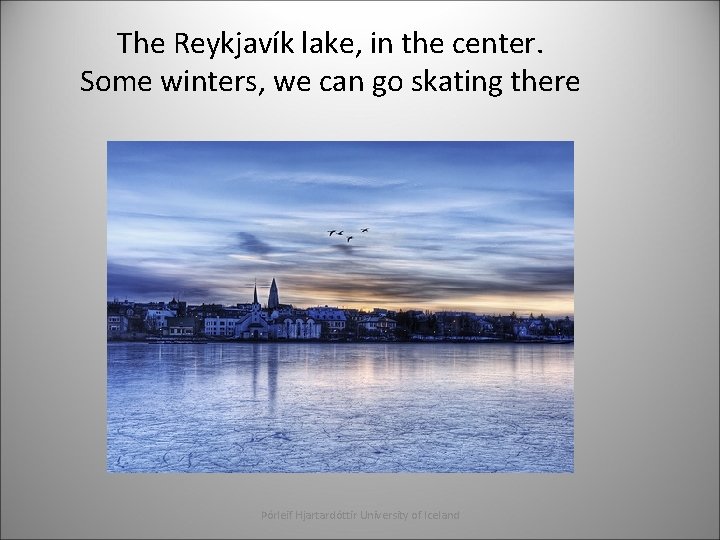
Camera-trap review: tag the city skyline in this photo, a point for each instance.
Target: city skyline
(472, 226)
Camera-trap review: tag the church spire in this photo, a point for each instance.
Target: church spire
(273, 300)
(255, 293)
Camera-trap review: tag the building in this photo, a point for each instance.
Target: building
(483, 326)
(220, 326)
(253, 325)
(178, 307)
(116, 325)
(156, 319)
(206, 310)
(285, 311)
(378, 325)
(180, 327)
(455, 323)
(295, 328)
(273, 299)
(332, 318)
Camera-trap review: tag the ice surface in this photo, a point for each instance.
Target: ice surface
(318, 407)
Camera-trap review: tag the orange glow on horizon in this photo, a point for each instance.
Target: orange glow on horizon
(551, 305)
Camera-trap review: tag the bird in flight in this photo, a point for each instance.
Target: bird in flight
(364, 230)
(348, 238)
(331, 232)
(340, 233)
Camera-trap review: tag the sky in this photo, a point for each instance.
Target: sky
(485, 227)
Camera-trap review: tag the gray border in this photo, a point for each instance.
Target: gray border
(645, 126)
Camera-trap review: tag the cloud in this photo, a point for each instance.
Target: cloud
(255, 261)
(542, 278)
(252, 244)
(321, 179)
(135, 281)
(182, 219)
(399, 286)
(448, 221)
(344, 248)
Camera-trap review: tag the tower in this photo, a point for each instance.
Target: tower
(255, 304)
(273, 300)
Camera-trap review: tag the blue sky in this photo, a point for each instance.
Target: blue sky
(477, 226)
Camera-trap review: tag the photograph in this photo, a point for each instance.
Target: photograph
(340, 307)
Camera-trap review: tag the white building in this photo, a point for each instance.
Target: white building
(253, 325)
(156, 319)
(283, 311)
(333, 318)
(220, 326)
(381, 325)
(116, 324)
(295, 328)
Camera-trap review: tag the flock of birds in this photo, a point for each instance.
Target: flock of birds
(340, 233)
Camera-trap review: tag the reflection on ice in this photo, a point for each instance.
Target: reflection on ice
(264, 407)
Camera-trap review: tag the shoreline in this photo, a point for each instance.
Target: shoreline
(204, 341)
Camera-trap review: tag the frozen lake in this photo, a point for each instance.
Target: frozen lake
(319, 407)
